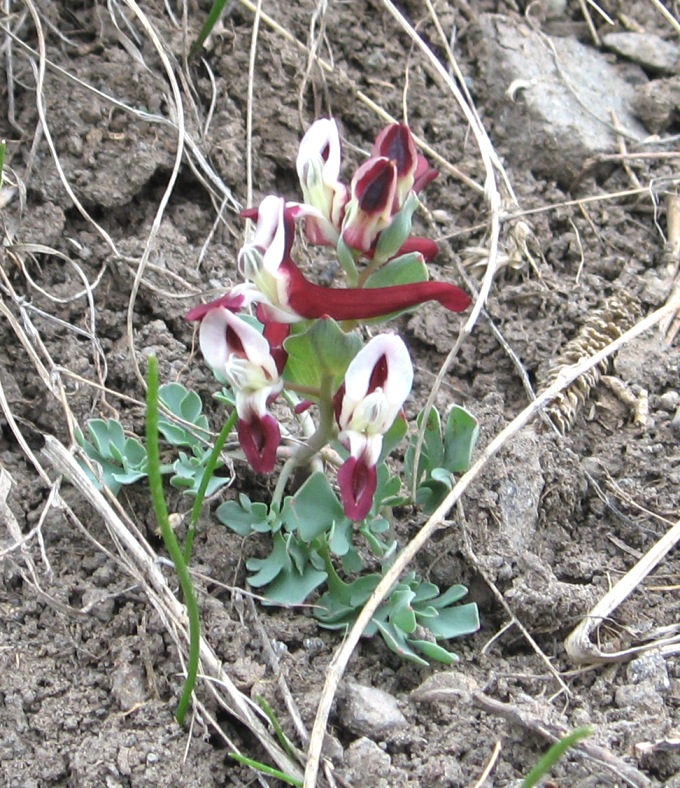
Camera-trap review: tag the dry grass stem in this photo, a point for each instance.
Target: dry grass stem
(579, 645)
(338, 665)
(142, 564)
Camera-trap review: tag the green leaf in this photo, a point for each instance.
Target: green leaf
(392, 238)
(293, 588)
(434, 651)
(401, 613)
(313, 509)
(234, 516)
(323, 349)
(450, 596)
(347, 261)
(396, 641)
(455, 622)
(393, 437)
(462, 431)
(405, 270)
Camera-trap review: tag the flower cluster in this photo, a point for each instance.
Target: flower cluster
(369, 225)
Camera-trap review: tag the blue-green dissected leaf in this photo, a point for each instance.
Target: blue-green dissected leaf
(397, 642)
(322, 349)
(340, 537)
(234, 516)
(313, 509)
(104, 433)
(120, 460)
(402, 615)
(292, 588)
(462, 430)
(454, 622)
(266, 569)
(450, 596)
(188, 475)
(434, 651)
(185, 405)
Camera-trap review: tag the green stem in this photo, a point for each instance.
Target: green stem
(268, 770)
(205, 481)
(169, 538)
(558, 749)
(214, 15)
(315, 443)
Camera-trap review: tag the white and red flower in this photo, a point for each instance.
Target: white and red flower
(318, 167)
(376, 384)
(241, 356)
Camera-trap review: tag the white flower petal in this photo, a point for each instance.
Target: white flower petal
(398, 380)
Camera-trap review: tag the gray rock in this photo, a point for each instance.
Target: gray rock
(657, 102)
(128, 686)
(669, 401)
(447, 686)
(553, 98)
(366, 763)
(367, 711)
(651, 52)
(649, 668)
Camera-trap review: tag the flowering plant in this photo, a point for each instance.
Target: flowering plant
(277, 340)
(278, 335)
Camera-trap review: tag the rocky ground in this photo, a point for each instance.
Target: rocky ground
(125, 170)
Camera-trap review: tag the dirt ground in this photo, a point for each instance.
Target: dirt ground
(107, 245)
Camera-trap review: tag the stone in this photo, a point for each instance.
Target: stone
(649, 51)
(448, 686)
(651, 668)
(371, 712)
(365, 762)
(656, 103)
(553, 98)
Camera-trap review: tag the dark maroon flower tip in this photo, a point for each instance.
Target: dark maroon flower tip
(428, 248)
(259, 438)
(231, 302)
(357, 482)
(424, 174)
(395, 142)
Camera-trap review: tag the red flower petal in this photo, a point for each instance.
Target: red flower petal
(358, 483)
(259, 439)
(312, 301)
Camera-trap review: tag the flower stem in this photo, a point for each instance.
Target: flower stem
(169, 538)
(316, 442)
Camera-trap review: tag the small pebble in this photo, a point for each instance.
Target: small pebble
(669, 401)
(372, 712)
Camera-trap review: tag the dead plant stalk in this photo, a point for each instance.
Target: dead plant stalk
(338, 665)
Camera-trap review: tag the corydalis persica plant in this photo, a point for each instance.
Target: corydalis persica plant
(359, 391)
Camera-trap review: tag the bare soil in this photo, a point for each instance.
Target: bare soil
(90, 671)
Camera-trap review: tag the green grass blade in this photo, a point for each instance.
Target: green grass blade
(215, 13)
(278, 730)
(169, 538)
(558, 749)
(262, 767)
(205, 481)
